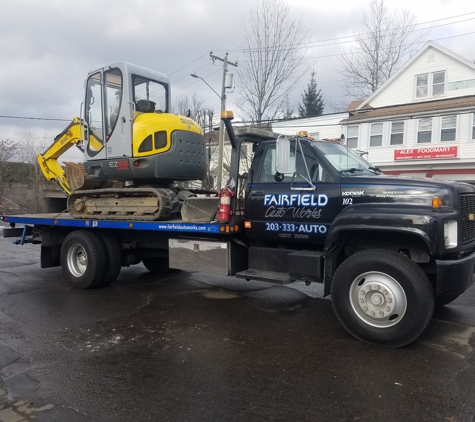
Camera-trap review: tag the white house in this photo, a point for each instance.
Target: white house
(420, 122)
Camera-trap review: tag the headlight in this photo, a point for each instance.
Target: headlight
(450, 234)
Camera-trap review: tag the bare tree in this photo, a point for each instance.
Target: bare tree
(8, 151)
(387, 39)
(32, 143)
(288, 112)
(274, 57)
(189, 105)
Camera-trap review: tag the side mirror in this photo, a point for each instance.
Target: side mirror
(282, 156)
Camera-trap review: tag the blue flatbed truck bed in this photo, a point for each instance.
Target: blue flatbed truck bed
(65, 220)
(91, 252)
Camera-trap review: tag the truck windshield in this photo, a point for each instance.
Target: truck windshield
(344, 159)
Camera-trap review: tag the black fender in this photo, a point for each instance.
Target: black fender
(380, 220)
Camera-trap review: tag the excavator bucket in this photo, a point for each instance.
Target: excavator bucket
(76, 174)
(197, 209)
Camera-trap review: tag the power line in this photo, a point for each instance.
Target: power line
(243, 61)
(353, 123)
(196, 70)
(35, 118)
(181, 68)
(421, 23)
(306, 45)
(359, 50)
(186, 86)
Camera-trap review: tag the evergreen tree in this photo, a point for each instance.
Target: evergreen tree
(312, 100)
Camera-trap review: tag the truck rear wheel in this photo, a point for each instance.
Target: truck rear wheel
(83, 259)
(382, 297)
(114, 260)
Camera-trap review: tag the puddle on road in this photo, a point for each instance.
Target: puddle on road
(275, 299)
(219, 294)
(21, 411)
(451, 337)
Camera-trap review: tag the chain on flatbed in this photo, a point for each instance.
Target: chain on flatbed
(144, 204)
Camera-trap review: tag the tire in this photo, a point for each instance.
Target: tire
(156, 265)
(382, 297)
(114, 260)
(83, 259)
(444, 300)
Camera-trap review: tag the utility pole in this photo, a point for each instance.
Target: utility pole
(221, 124)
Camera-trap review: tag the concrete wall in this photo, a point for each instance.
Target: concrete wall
(36, 197)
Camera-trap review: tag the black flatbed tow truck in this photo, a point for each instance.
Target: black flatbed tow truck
(387, 249)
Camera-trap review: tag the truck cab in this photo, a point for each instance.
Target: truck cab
(388, 249)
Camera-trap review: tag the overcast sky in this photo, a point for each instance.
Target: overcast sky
(48, 47)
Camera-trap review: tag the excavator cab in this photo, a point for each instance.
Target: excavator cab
(115, 96)
(129, 133)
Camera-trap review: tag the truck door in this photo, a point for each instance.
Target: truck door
(280, 214)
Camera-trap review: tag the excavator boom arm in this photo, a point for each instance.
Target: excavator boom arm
(48, 161)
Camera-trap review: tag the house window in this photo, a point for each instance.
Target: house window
(449, 128)
(430, 84)
(376, 138)
(438, 83)
(424, 133)
(422, 85)
(352, 136)
(397, 133)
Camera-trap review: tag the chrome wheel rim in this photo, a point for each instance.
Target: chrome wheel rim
(378, 299)
(77, 260)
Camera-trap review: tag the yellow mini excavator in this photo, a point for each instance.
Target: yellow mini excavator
(134, 148)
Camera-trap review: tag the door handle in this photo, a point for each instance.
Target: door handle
(257, 193)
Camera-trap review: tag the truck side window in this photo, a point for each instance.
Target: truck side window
(317, 172)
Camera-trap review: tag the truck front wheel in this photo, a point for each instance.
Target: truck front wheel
(382, 297)
(83, 259)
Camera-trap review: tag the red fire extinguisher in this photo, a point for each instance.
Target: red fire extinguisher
(224, 211)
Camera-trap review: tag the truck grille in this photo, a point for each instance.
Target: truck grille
(467, 217)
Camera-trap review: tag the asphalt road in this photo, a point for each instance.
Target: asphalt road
(196, 347)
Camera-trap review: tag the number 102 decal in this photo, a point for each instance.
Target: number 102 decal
(347, 201)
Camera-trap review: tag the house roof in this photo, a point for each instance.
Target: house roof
(353, 105)
(425, 47)
(446, 105)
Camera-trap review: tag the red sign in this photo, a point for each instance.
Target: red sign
(428, 153)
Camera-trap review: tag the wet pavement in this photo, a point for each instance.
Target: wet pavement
(197, 347)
